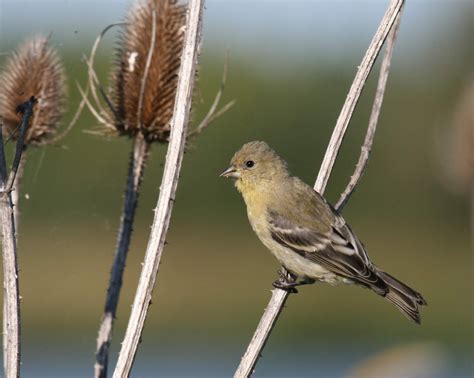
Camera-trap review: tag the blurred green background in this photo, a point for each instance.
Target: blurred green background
(291, 64)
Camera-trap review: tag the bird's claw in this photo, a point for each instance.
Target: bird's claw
(285, 285)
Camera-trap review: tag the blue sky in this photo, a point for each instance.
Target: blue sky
(267, 33)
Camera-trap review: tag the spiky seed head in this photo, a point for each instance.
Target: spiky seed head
(145, 79)
(34, 69)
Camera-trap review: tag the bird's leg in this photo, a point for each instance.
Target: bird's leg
(285, 285)
(287, 281)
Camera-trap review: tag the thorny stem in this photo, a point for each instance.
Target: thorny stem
(174, 158)
(16, 190)
(11, 297)
(137, 163)
(279, 297)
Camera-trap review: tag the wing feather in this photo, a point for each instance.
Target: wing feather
(338, 250)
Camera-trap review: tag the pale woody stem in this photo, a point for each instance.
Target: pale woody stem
(278, 299)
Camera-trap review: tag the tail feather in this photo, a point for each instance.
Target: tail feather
(403, 297)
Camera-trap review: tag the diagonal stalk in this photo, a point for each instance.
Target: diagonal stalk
(169, 183)
(16, 190)
(355, 91)
(137, 163)
(277, 301)
(373, 120)
(11, 291)
(11, 301)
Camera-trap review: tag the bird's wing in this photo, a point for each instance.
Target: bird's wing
(338, 250)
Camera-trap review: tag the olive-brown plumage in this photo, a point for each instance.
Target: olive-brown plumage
(305, 233)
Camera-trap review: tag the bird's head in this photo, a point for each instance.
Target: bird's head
(254, 164)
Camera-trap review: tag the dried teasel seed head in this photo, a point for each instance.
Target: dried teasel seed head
(148, 58)
(34, 69)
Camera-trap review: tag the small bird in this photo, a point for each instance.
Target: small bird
(305, 233)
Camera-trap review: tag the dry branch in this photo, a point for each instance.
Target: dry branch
(16, 191)
(373, 120)
(279, 297)
(142, 91)
(11, 299)
(169, 183)
(355, 92)
(142, 99)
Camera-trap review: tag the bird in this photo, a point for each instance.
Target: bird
(309, 238)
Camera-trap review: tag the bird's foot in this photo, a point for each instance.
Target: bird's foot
(285, 285)
(286, 281)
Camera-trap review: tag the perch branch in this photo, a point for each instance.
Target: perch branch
(174, 157)
(279, 297)
(11, 299)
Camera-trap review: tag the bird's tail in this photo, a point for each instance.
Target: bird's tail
(405, 298)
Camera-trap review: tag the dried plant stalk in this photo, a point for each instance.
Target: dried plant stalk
(373, 120)
(169, 184)
(11, 298)
(16, 190)
(11, 301)
(355, 92)
(136, 166)
(140, 105)
(143, 91)
(279, 297)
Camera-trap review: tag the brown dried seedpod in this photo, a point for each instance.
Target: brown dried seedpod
(139, 104)
(35, 69)
(146, 75)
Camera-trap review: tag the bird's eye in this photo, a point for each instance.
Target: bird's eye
(249, 163)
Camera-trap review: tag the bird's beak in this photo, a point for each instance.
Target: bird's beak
(230, 172)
